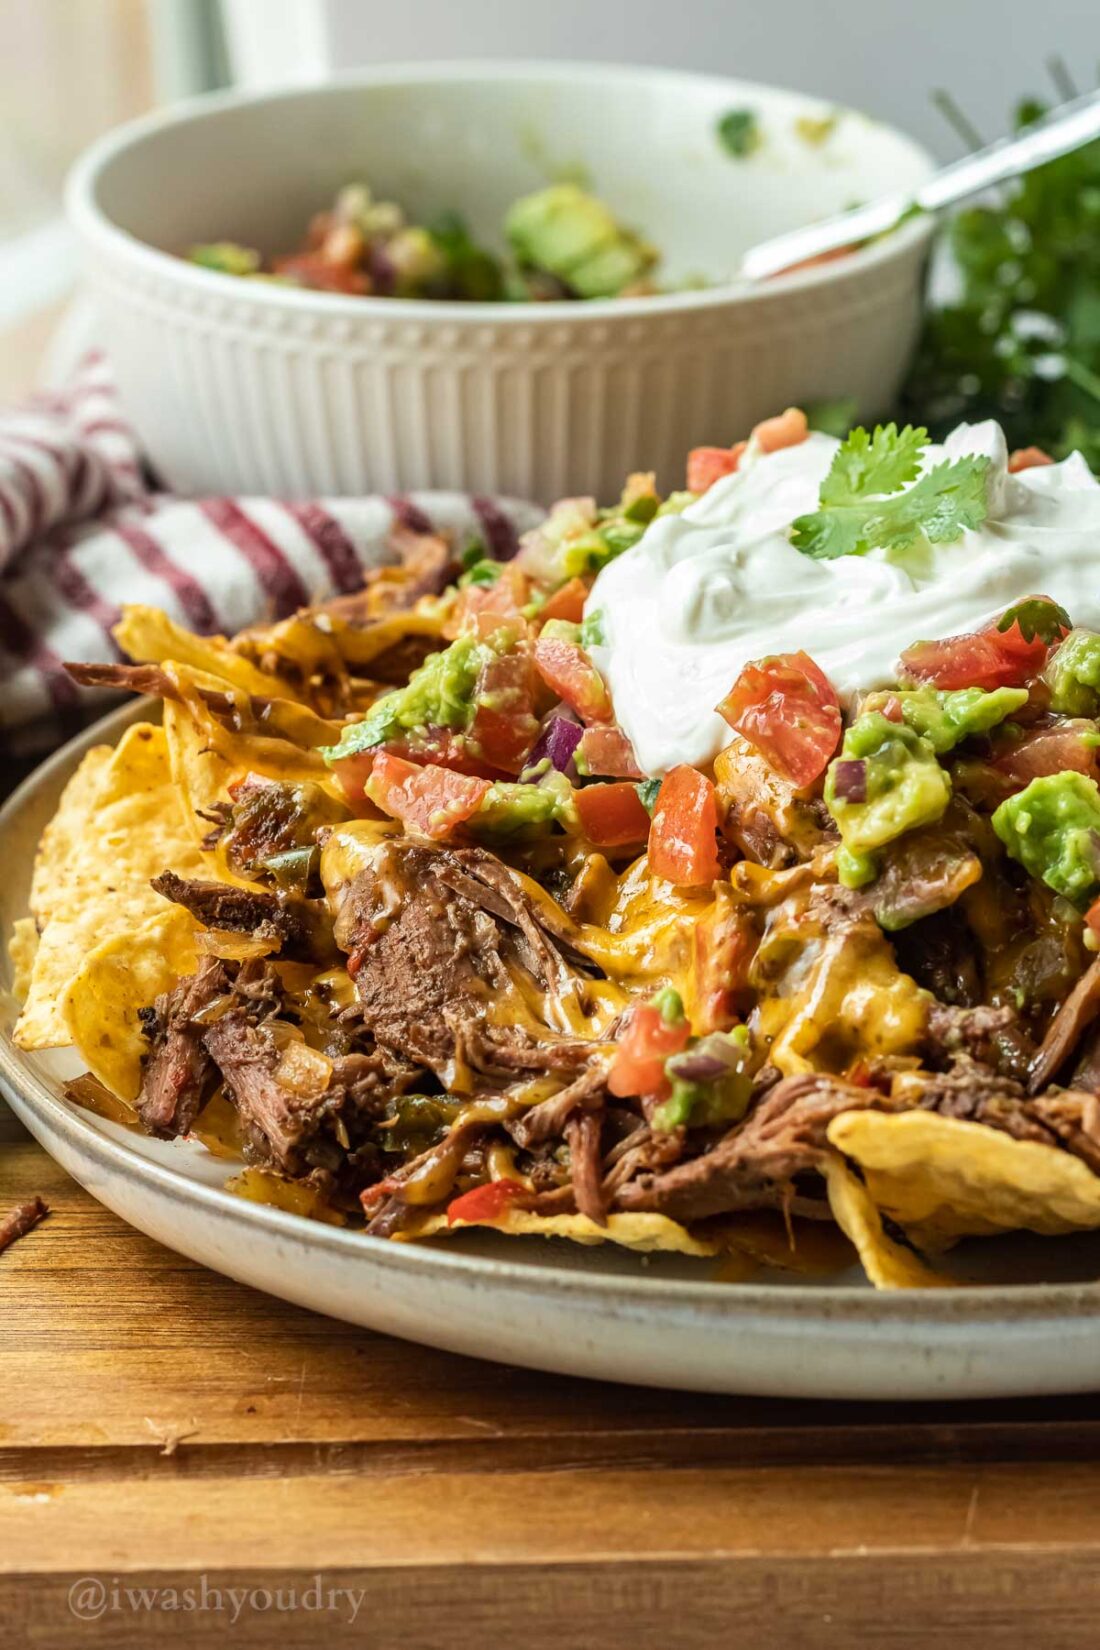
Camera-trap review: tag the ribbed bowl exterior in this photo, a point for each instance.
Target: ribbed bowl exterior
(233, 392)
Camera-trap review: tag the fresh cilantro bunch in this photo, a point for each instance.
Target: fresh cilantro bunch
(1022, 342)
(862, 507)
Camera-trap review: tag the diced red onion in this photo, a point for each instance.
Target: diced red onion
(382, 272)
(712, 1057)
(558, 741)
(697, 1068)
(850, 779)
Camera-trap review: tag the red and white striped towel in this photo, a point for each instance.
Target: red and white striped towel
(81, 533)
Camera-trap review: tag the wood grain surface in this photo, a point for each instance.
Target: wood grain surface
(182, 1459)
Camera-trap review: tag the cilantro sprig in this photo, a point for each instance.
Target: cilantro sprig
(872, 497)
(1037, 616)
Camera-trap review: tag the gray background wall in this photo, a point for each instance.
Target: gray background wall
(884, 56)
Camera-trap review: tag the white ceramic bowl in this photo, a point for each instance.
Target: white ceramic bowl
(243, 386)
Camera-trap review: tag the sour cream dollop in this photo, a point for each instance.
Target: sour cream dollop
(704, 592)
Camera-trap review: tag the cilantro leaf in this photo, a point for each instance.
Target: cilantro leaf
(648, 792)
(1037, 616)
(879, 463)
(739, 132)
(862, 506)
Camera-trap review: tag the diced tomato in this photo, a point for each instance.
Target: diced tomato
(683, 844)
(435, 747)
(646, 1043)
(891, 708)
(706, 465)
(787, 429)
(569, 672)
(504, 599)
(608, 752)
(486, 1202)
(431, 800)
(1057, 748)
(567, 602)
(611, 816)
(312, 270)
(504, 725)
(959, 662)
(1027, 458)
(1092, 917)
(987, 658)
(787, 707)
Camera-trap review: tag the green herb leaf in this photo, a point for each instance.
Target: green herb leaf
(648, 792)
(482, 572)
(592, 631)
(880, 463)
(863, 508)
(739, 132)
(1037, 616)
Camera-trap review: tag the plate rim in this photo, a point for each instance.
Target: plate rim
(953, 1308)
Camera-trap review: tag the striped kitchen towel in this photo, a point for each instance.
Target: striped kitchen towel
(83, 530)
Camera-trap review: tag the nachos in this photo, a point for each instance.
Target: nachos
(385, 904)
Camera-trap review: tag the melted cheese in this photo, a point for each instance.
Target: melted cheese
(829, 999)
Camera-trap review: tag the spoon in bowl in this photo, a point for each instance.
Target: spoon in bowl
(1064, 129)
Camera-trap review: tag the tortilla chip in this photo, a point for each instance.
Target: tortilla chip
(96, 872)
(941, 1178)
(888, 1265)
(22, 948)
(65, 831)
(148, 636)
(126, 973)
(644, 1233)
(206, 758)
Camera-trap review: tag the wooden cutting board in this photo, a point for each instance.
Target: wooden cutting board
(183, 1461)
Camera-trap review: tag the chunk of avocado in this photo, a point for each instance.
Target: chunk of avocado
(905, 785)
(440, 694)
(572, 235)
(1073, 674)
(511, 809)
(227, 257)
(944, 718)
(1053, 829)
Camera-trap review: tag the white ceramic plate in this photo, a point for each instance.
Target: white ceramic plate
(546, 1304)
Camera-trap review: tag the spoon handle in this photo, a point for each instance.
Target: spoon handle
(1064, 129)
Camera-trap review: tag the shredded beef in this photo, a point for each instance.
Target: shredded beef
(582, 1134)
(755, 1164)
(992, 1035)
(1086, 1073)
(178, 1069)
(430, 934)
(434, 1171)
(548, 1119)
(20, 1220)
(975, 1094)
(1067, 1028)
(247, 1057)
(270, 817)
(152, 680)
(262, 915)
